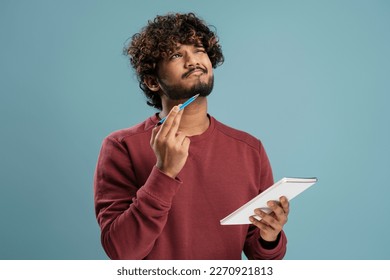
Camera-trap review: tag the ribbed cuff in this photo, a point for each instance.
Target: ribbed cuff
(161, 186)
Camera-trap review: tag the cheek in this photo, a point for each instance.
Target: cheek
(211, 72)
(209, 66)
(167, 74)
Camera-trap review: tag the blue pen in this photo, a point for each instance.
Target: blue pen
(181, 107)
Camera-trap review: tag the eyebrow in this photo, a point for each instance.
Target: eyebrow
(189, 44)
(178, 48)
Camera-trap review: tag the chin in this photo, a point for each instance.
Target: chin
(199, 87)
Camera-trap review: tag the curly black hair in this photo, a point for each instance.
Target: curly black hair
(161, 36)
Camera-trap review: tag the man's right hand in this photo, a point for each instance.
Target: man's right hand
(170, 145)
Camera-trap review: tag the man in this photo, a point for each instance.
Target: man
(161, 190)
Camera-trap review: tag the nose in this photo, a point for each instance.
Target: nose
(191, 60)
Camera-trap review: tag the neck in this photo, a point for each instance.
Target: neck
(194, 120)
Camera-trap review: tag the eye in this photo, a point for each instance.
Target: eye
(175, 56)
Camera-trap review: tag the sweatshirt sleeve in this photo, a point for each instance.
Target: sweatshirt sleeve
(254, 251)
(130, 218)
(253, 248)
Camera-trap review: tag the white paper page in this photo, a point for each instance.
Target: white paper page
(288, 187)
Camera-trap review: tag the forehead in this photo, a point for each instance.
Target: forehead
(180, 46)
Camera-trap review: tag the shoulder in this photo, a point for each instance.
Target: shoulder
(142, 129)
(238, 135)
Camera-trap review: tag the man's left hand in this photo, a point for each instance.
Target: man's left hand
(272, 224)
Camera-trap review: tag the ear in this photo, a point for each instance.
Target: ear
(152, 83)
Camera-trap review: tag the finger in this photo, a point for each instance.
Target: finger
(175, 124)
(153, 137)
(267, 219)
(256, 222)
(186, 143)
(279, 213)
(276, 208)
(264, 227)
(285, 204)
(182, 142)
(181, 138)
(166, 126)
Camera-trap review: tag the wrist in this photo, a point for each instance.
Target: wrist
(166, 172)
(269, 245)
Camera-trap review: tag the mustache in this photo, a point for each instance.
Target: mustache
(185, 75)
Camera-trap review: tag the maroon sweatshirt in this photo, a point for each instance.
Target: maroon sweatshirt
(144, 214)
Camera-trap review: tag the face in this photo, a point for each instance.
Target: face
(185, 72)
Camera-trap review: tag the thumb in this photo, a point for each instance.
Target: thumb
(154, 133)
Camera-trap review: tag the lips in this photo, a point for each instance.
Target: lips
(194, 70)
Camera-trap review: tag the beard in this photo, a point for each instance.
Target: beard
(177, 92)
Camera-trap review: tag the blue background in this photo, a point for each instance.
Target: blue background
(309, 78)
